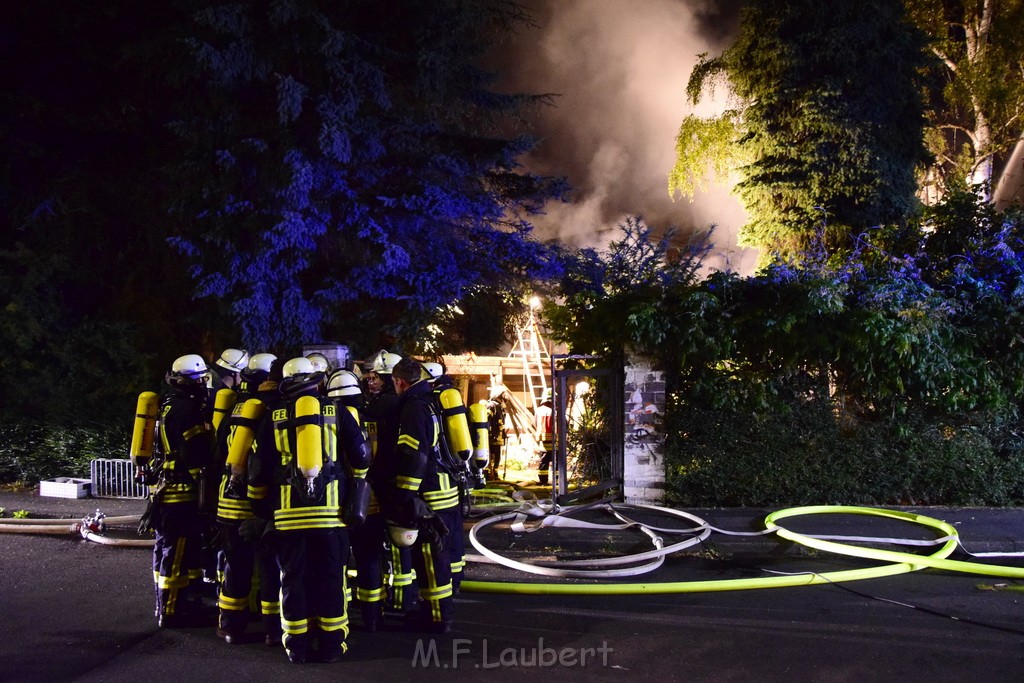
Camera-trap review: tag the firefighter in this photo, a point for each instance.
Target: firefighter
(369, 539)
(496, 434)
(297, 460)
(223, 384)
(455, 445)
(545, 426)
(416, 493)
(380, 419)
(227, 369)
(246, 558)
(187, 447)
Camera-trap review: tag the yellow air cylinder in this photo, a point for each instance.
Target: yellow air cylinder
(309, 438)
(478, 427)
(144, 427)
(223, 402)
(244, 435)
(455, 424)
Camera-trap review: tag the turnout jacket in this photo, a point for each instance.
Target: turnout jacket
(277, 488)
(187, 441)
(233, 499)
(413, 467)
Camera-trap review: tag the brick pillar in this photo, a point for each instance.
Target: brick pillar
(644, 447)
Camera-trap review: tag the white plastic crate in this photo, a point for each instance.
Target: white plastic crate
(65, 487)
(115, 478)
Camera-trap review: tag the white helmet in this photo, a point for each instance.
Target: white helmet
(262, 361)
(434, 370)
(234, 360)
(402, 537)
(343, 383)
(384, 362)
(319, 361)
(298, 366)
(190, 365)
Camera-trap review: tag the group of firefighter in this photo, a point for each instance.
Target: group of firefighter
(267, 476)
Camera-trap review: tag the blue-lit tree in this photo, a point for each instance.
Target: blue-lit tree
(348, 171)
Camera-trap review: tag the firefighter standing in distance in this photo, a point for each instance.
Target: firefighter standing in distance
(546, 426)
(297, 455)
(187, 444)
(380, 417)
(496, 434)
(244, 558)
(419, 494)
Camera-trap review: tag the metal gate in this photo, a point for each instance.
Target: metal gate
(588, 415)
(113, 478)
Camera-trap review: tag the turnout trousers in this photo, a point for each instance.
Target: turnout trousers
(176, 555)
(313, 590)
(250, 572)
(432, 561)
(369, 541)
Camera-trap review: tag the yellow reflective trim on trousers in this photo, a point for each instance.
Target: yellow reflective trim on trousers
(169, 582)
(258, 492)
(270, 607)
(233, 604)
(401, 579)
(438, 593)
(370, 594)
(294, 628)
(332, 623)
(435, 605)
(179, 580)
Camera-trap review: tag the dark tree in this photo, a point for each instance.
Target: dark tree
(346, 167)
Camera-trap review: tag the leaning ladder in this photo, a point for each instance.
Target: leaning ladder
(533, 352)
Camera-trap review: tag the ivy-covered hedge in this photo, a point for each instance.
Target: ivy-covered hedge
(804, 456)
(889, 374)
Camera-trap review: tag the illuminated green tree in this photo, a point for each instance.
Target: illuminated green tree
(978, 90)
(824, 123)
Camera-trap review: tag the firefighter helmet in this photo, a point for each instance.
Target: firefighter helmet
(262, 361)
(401, 537)
(298, 366)
(343, 383)
(319, 361)
(190, 366)
(384, 362)
(234, 360)
(434, 370)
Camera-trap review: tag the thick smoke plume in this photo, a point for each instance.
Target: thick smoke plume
(619, 69)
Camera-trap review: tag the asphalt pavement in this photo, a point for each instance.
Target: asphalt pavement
(73, 610)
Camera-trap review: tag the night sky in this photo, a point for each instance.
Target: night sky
(619, 69)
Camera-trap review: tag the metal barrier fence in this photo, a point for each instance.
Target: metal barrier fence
(115, 479)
